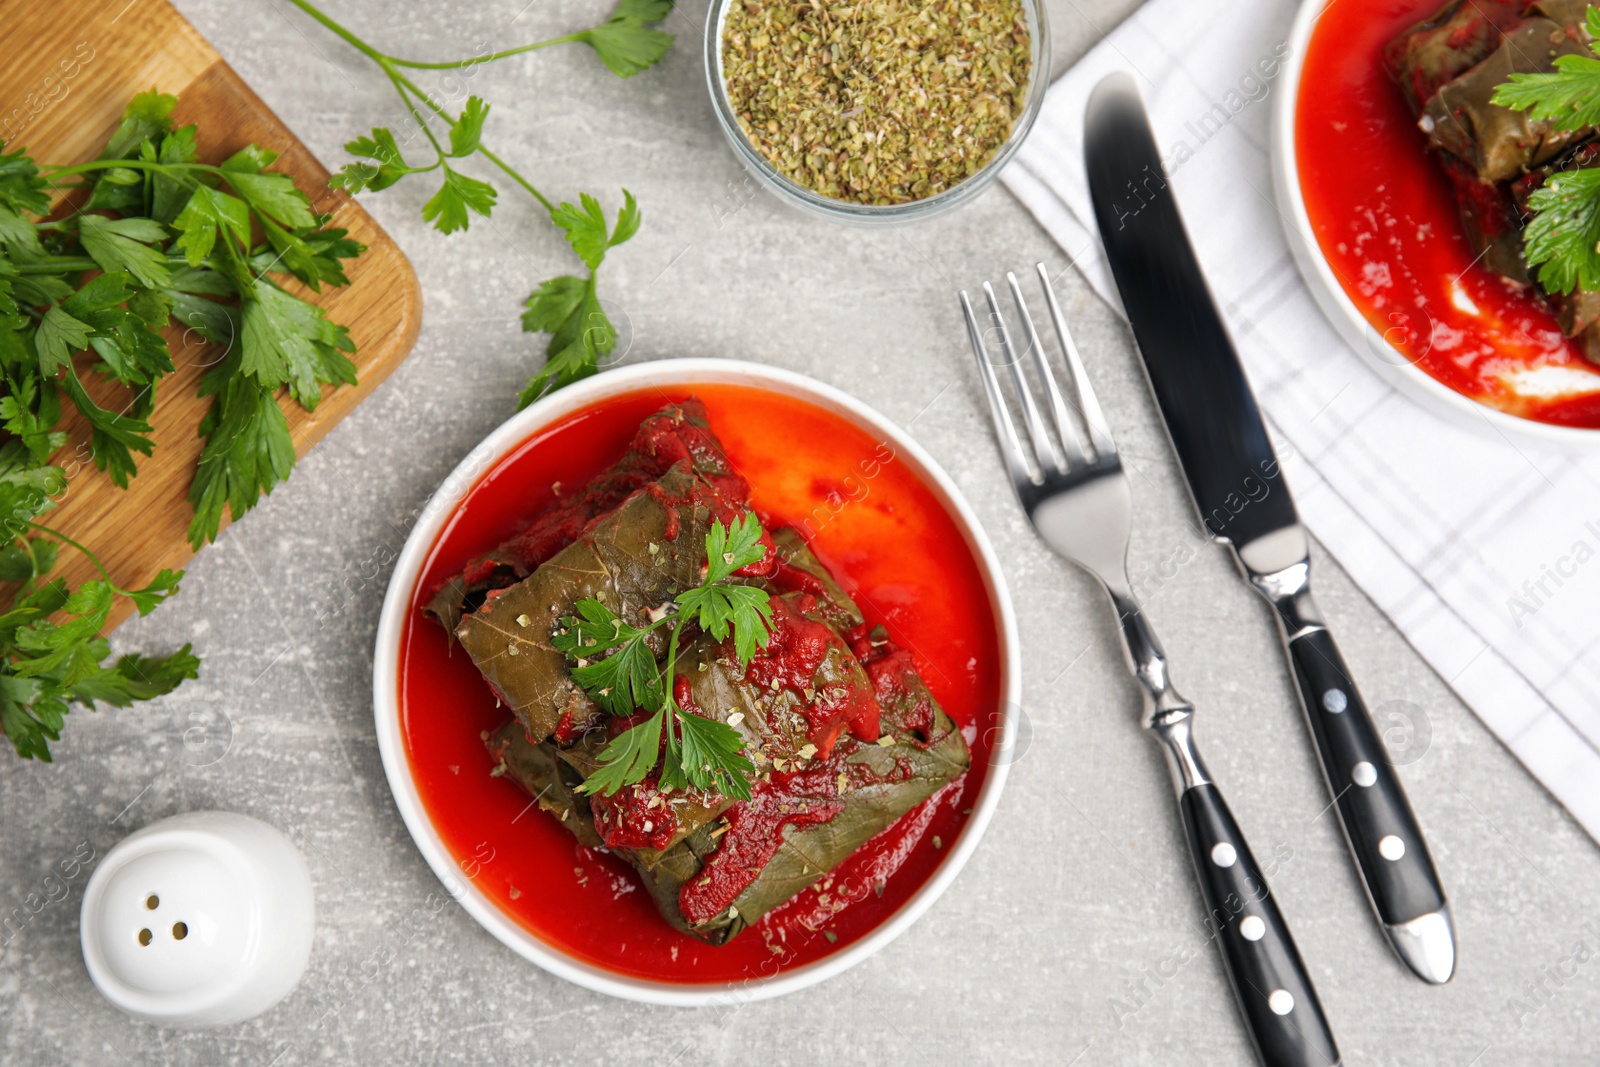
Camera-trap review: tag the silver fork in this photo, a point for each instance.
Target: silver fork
(1072, 485)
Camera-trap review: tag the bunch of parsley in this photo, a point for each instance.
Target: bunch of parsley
(150, 235)
(1563, 236)
(616, 667)
(567, 308)
(156, 236)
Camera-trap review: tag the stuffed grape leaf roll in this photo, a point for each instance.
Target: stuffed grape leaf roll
(843, 735)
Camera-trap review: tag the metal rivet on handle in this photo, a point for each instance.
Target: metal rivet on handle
(1252, 928)
(1335, 700)
(1391, 847)
(1281, 1001)
(1364, 774)
(1223, 854)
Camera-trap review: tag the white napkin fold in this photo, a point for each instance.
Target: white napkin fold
(1484, 551)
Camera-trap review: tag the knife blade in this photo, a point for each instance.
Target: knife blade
(1239, 490)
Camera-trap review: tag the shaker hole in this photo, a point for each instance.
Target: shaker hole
(152, 902)
(144, 937)
(180, 931)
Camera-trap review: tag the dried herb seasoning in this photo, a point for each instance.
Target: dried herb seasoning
(877, 101)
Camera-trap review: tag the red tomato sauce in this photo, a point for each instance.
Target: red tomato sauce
(890, 543)
(1386, 220)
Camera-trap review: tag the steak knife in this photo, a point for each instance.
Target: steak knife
(1233, 475)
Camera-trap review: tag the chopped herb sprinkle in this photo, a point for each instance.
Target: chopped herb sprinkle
(876, 101)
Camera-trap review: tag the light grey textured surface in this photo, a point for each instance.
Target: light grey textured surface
(1075, 931)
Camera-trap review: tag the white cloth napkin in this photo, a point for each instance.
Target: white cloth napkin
(1484, 551)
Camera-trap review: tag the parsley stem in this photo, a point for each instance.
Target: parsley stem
(670, 670)
(351, 39)
(383, 58)
(473, 61)
(64, 264)
(64, 539)
(169, 169)
(400, 82)
(514, 176)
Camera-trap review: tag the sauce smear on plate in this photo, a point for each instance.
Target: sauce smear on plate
(896, 551)
(1385, 218)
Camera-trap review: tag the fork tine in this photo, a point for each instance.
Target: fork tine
(1099, 432)
(1066, 426)
(1044, 447)
(1005, 429)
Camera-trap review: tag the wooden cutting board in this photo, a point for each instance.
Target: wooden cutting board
(61, 96)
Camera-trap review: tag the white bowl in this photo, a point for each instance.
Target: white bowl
(1389, 363)
(678, 373)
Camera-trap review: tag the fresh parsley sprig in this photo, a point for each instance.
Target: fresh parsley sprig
(1563, 235)
(51, 653)
(567, 307)
(614, 663)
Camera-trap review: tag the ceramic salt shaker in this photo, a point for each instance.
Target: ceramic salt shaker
(199, 920)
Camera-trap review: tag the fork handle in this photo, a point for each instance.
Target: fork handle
(1269, 980)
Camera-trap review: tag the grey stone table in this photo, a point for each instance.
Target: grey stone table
(1072, 937)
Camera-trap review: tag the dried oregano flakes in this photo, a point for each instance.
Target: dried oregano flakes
(878, 101)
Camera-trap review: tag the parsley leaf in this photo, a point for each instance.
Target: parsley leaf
(387, 166)
(1569, 96)
(585, 229)
(137, 677)
(58, 337)
(745, 610)
(286, 341)
(621, 682)
(580, 333)
(21, 188)
(208, 213)
(248, 450)
(627, 42)
(717, 608)
(123, 245)
(567, 307)
(147, 117)
(1563, 237)
(711, 757)
(160, 587)
(732, 548)
(553, 303)
(628, 757)
(113, 437)
(466, 130)
(273, 196)
(447, 209)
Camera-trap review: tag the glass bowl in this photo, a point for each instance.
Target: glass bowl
(848, 211)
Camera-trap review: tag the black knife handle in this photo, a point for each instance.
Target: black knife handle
(1382, 831)
(1275, 994)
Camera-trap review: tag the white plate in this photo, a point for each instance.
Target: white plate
(1389, 363)
(676, 374)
